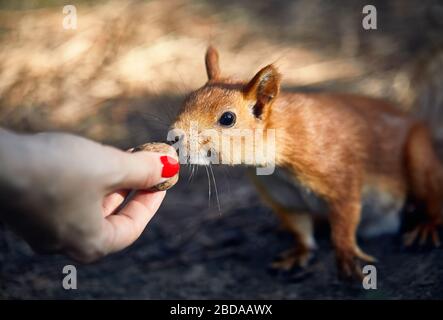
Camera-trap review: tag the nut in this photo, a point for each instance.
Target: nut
(161, 148)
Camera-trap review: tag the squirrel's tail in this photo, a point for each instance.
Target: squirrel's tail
(427, 87)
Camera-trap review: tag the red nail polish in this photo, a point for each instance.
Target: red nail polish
(170, 166)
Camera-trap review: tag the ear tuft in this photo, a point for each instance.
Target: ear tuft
(264, 88)
(211, 60)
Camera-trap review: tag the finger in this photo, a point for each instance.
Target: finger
(142, 170)
(123, 229)
(112, 201)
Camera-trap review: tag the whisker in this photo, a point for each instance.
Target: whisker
(189, 166)
(215, 189)
(170, 112)
(155, 117)
(192, 173)
(166, 105)
(209, 186)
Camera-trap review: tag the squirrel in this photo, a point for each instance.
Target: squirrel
(353, 158)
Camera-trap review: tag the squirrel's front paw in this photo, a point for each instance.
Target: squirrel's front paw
(349, 263)
(293, 258)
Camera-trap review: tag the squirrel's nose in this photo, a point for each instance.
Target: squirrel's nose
(176, 139)
(176, 136)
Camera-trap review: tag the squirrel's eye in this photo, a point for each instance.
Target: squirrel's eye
(227, 119)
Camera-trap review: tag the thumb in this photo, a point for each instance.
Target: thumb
(144, 169)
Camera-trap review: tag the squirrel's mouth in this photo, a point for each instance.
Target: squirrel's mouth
(200, 158)
(208, 156)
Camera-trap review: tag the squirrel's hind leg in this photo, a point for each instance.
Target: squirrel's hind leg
(425, 177)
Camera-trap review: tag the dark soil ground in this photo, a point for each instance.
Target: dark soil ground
(191, 251)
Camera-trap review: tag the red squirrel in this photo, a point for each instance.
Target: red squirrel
(351, 157)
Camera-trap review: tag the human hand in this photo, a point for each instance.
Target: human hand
(60, 192)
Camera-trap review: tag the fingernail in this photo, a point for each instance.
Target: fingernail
(170, 166)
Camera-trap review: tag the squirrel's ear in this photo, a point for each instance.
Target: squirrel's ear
(211, 60)
(263, 88)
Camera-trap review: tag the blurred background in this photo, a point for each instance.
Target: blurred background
(120, 77)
